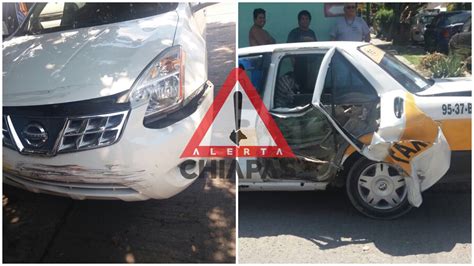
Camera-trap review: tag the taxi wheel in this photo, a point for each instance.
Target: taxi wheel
(377, 190)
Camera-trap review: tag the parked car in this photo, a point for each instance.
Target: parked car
(98, 98)
(460, 44)
(418, 26)
(359, 118)
(442, 28)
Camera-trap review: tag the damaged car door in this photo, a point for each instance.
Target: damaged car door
(307, 131)
(287, 92)
(407, 152)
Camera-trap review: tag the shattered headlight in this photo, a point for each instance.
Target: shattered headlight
(161, 84)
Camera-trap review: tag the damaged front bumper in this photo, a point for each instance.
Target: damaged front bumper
(416, 144)
(143, 164)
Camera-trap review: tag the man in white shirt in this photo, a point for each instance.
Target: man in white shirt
(350, 27)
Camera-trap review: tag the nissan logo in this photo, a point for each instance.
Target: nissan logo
(35, 135)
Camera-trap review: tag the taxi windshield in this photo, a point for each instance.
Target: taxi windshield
(407, 77)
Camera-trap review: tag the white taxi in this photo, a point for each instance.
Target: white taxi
(356, 116)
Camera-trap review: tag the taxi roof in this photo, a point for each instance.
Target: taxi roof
(302, 45)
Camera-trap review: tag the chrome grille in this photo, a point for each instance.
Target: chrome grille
(91, 132)
(69, 134)
(6, 137)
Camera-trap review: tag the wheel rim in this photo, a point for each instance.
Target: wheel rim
(381, 186)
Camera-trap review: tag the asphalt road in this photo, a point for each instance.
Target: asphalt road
(197, 225)
(322, 227)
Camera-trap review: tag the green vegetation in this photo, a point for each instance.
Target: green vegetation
(436, 65)
(450, 66)
(443, 66)
(430, 59)
(413, 59)
(383, 20)
(459, 6)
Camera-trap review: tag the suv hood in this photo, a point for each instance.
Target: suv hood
(84, 63)
(448, 87)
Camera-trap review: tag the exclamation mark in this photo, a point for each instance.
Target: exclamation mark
(236, 134)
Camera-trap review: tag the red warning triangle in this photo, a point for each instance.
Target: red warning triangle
(281, 150)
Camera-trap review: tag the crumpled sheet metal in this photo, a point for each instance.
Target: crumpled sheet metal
(75, 173)
(422, 150)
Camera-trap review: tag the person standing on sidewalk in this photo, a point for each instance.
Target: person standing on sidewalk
(303, 33)
(257, 35)
(350, 27)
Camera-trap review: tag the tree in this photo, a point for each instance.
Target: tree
(459, 6)
(394, 20)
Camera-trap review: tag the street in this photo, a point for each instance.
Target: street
(197, 225)
(323, 227)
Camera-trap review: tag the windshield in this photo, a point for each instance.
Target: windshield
(56, 16)
(454, 18)
(427, 19)
(407, 77)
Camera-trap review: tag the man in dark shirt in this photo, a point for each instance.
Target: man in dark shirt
(303, 33)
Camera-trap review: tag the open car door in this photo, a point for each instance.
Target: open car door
(404, 136)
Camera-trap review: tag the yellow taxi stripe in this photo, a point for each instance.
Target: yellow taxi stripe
(419, 134)
(457, 133)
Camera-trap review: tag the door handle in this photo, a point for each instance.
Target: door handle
(398, 107)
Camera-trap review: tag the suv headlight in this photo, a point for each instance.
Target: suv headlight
(161, 84)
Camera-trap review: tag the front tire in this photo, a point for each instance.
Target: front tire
(377, 189)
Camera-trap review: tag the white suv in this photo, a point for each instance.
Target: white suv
(99, 99)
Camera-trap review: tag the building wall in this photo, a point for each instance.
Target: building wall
(282, 18)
